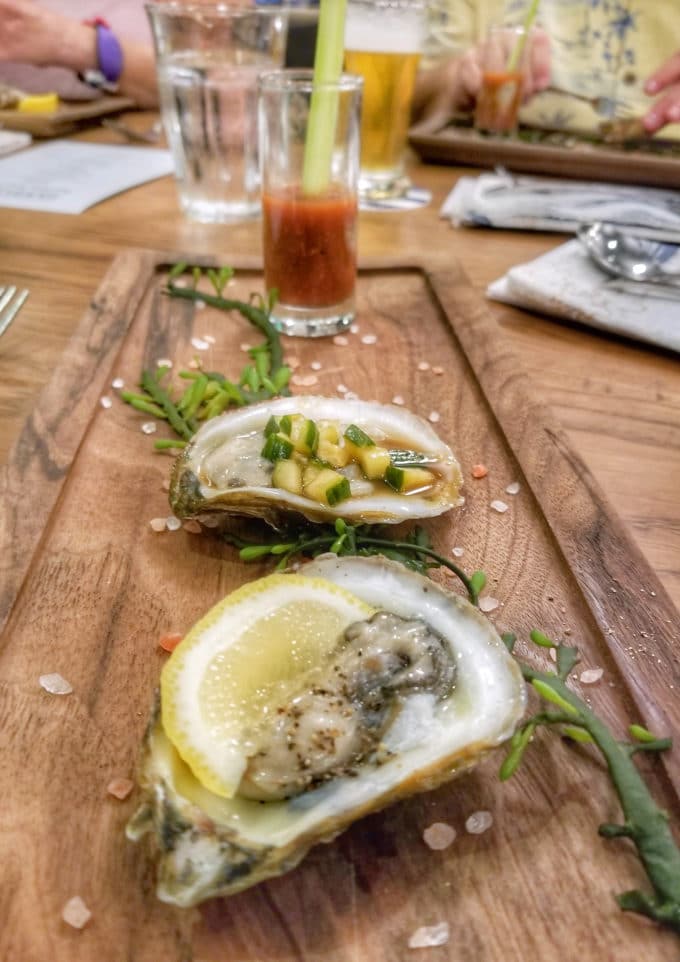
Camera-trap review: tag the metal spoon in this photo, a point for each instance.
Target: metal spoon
(634, 258)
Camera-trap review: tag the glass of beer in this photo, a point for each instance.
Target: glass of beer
(383, 43)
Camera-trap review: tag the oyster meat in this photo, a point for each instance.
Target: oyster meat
(321, 458)
(416, 688)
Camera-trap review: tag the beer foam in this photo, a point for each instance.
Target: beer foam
(385, 29)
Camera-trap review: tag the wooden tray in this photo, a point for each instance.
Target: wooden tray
(88, 588)
(67, 118)
(581, 160)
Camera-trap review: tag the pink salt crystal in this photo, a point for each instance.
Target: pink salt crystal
(316, 365)
(488, 603)
(398, 399)
(457, 552)
(423, 366)
(500, 506)
(513, 488)
(172, 523)
(120, 788)
(55, 684)
(76, 913)
(478, 822)
(158, 524)
(105, 401)
(429, 936)
(165, 484)
(192, 526)
(369, 339)
(437, 370)
(439, 836)
(199, 344)
(434, 416)
(340, 340)
(591, 675)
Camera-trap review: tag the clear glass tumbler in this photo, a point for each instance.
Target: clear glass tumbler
(208, 59)
(383, 43)
(309, 155)
(504, 65)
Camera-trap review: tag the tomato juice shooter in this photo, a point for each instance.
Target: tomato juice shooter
(498, 102)
(310, 246)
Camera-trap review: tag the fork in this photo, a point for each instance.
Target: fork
(604, 106)
(11, 302)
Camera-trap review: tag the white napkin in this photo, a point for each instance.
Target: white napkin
(566, 283)
(67, 177)
(542, 203)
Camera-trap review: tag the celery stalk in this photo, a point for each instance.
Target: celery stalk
(323, 112)
(518, 49)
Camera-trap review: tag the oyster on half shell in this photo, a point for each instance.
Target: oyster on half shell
(415, 690)
(223, 470)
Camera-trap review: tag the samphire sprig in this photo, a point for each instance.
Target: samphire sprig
(414, 550)
(209, 393)
(644, 823)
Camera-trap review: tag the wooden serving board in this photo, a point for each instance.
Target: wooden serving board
(88, 588)
(581, 159)
(66, 118)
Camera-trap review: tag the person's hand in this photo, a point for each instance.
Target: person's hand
(29, 32)
(454, 86)
(666, 109)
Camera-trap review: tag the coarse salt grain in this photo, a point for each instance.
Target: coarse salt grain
(163, 362)
(199, 344)
(194, 364)
(434, 416)
(117, 383)
(437, 370)
(245, 346)
(105, 401)
(369, 339)
(209, 338)
(304, 380)
(429, 936)
(398, 399)
(354, 328)
(500, 506)
(342, 389)
(340, 340)
(158, 524)
(149, 427)
(457, 552)
(75, 913)
(120, 788)
(199, 305)
(170, 641)
(591, 675)
(479, 471)
(351, 396)
(423, 366)
(478, 822)
(439, 836)
(192, 526)
(553, 653)
(165, 484)
(172, 523)
(316, 365)
(55, 684)
(293, 363)
(488, 603)
(513, 488)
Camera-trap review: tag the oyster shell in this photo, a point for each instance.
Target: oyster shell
(440, 715)
(222, 471)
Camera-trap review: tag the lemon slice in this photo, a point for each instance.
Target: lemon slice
(241, 660)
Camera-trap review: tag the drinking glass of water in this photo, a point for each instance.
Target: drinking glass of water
(208, 59)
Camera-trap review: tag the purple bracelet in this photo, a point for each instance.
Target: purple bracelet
(109, 54)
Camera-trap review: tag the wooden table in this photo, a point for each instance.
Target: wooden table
(98, 603)
(619, 402)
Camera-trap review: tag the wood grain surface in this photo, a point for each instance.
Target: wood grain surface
(66, 118)
(90, 588)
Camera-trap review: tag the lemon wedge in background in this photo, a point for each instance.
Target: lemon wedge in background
(242, 660)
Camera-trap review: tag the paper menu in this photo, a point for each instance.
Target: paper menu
(67, 177)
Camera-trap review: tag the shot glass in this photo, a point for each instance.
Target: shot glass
(208, 58)
(383, 43)
(309, 156)
(504, 66)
